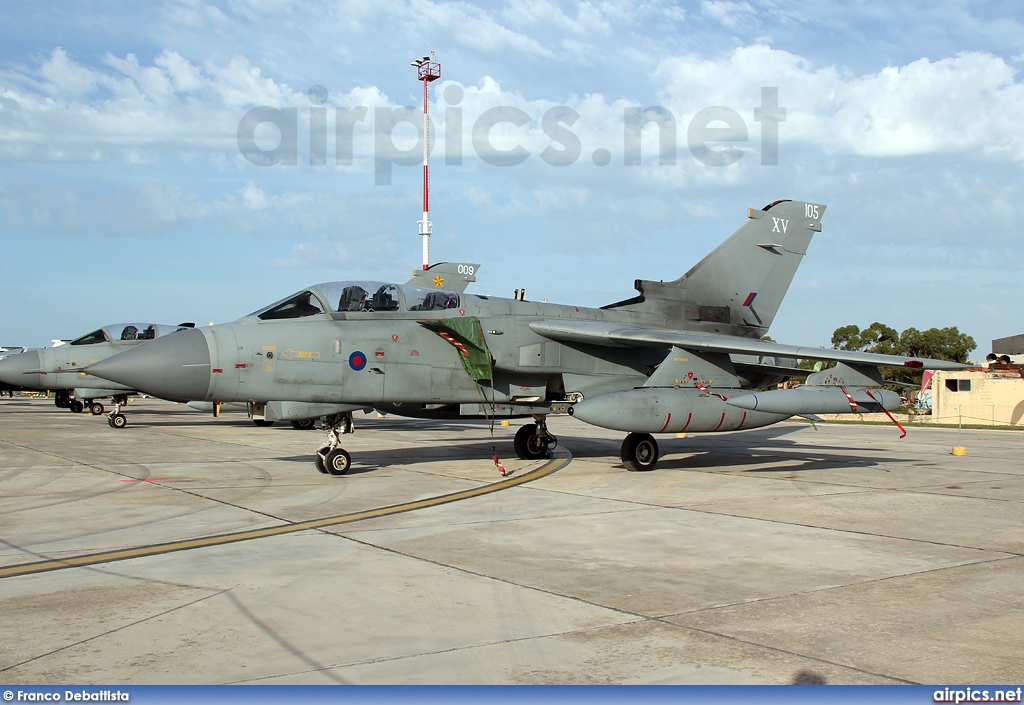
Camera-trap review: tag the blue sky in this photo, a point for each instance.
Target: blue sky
(124, 194)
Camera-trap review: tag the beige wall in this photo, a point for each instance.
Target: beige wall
(996, 398)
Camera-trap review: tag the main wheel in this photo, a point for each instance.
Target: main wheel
(263, 422)
(117, 420)
(96, 409)
(338, 461)
(303, 424)
(528, 445)
(76, 406)
(639, 452)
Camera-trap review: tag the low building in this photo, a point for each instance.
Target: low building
(980, 396)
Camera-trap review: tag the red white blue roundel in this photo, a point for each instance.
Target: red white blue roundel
(357, 360)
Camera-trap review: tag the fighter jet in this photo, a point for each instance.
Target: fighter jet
(61, 368)
(450, 276)
(683, 355)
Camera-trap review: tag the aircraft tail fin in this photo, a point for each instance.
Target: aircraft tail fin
(453, 276)
(737, 289)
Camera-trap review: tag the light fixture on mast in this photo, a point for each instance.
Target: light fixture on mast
(427, 70)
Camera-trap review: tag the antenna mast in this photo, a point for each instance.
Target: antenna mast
(427, 70)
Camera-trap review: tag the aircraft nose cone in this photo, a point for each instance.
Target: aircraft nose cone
(21, 370)
(175, 367)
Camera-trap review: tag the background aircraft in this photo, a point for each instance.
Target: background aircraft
(61, 368)
(684, 355)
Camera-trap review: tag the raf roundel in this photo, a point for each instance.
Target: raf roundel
(357, 360)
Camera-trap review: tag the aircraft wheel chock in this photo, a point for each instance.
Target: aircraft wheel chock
(639, 452)
(338, 461)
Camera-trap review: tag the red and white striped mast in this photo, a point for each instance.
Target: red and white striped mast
(427, 70)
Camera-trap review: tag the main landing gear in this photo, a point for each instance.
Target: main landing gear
(639, 452)
(115, 418)
(62, 400)
(533, 441)
(331, 458)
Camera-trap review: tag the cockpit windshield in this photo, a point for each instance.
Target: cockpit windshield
(97, 336)
(299, 306)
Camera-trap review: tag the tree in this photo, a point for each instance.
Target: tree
(942, 344)
(938, 343)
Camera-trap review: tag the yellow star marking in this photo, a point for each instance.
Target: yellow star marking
(438, 281)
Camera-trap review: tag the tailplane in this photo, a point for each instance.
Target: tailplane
(738, 288)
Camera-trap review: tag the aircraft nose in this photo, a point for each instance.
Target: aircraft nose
(21, 370)
(175, 367)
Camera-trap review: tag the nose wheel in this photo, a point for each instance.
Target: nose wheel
(115, 419)
(335, 461)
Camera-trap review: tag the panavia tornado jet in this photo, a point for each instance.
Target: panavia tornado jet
(684, 355)
(62, 368)
(450, 276)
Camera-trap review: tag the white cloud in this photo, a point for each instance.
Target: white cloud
(65, 111)
(965, 103)
(728, 14)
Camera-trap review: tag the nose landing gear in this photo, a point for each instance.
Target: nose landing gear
(115, 419)
(331, 458)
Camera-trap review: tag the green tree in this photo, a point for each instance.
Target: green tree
(938, 343)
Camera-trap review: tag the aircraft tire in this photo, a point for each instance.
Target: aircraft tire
(528, 445)
(96, 409)
(76, 406)
(318, 461)
(263, 422)
(117, 420)
(304, 424)
(639, 452)
(338, 461)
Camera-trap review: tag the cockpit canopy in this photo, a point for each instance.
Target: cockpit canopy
(358, 296)
(129, 331)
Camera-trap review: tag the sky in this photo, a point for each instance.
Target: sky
(195, 161)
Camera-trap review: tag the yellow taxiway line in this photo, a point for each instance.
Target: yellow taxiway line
(221, 539)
